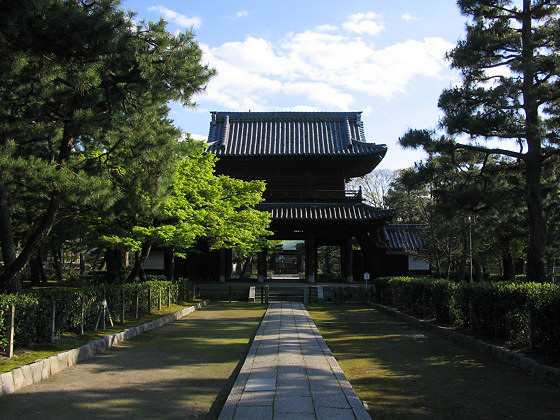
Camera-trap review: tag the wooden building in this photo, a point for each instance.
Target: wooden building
(401, 251)
(306, 158)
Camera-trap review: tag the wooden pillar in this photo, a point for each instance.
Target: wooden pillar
(348, 259)
(310, 258)
(222, 267)
(261, 266)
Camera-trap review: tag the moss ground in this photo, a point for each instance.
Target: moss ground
(24, 356)
(406, 373)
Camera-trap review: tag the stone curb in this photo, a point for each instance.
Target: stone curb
(518, 360)
(41, 369)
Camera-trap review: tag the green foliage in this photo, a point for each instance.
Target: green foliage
(527, 313)
(26, 310)
(219, 209)
(33, 310)
(84, 134)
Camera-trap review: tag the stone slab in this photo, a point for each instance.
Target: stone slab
(7, 383)
(260, 384)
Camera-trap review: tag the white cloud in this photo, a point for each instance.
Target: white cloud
(320, 93)
(317, 69)
(364, 23)
(254, 54)
(408, 16)
(177, 18)
(326, 28)
(241, 14)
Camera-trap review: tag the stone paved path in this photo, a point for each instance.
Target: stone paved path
(290, 373)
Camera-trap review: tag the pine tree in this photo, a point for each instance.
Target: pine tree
(70, 71)
(510, 91)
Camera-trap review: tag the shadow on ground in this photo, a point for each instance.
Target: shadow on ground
(183, 370)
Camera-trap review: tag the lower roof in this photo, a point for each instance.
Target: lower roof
(325, 212)
(402, 237)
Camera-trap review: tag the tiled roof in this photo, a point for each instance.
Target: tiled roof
(289, 133)
(402, 237)
(325, 212)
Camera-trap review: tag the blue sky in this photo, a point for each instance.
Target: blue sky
(385, 58)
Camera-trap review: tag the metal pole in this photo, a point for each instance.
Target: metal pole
(470, 248)
(470, 220)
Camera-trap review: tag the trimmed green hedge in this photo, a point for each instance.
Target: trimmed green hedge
(520, 313)
(34, 309)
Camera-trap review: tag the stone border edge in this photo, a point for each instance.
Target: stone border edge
(518, 360)
(41, 369)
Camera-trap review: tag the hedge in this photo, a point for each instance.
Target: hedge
(34, 309)
(519, 313)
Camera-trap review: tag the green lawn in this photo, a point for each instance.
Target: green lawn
(406, 373)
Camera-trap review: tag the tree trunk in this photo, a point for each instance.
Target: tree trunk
(82, 264)
(57, 263)
(140, 258)
(478, 271)
(248, 263)
(169, 263)
(7, 244)
(8, 280)
(38, 275)
(114, 261)
(509, 267)
(533, 157)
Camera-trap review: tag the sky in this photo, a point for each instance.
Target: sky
(383, 58)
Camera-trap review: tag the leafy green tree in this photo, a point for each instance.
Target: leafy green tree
(510, 91)
(72, 72)
(204, 206)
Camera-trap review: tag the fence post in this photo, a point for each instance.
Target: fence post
(267, 293)
(53, 321)
(149, 301)
(136, 306)
(103, 310)
(122, 309)
(11, 328)
(168, 296)
(159, 301)
(82, 317)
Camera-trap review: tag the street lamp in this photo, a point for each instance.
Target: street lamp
(470, 220)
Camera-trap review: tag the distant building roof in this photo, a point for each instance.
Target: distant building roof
(402, 237)
(325, 212)
(289, 133)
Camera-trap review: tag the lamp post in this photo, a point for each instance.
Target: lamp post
(470, 220)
